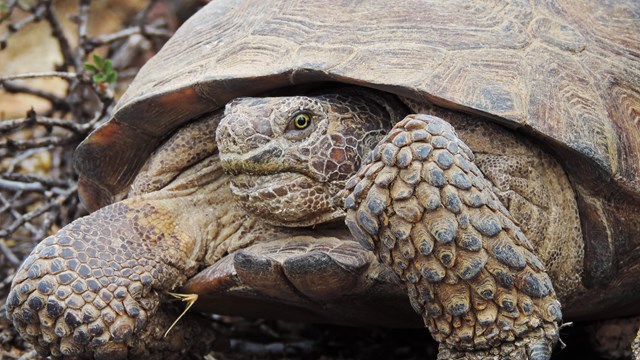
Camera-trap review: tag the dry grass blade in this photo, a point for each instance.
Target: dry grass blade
(190, 299)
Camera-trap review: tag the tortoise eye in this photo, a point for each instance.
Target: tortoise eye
(301, 121)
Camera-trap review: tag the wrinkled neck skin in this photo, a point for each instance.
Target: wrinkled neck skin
(185, 179)
(290, 156)
(188, 203)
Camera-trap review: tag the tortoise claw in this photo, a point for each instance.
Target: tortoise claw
(263, 274)
(536, 346)
(304, 278)
(539, 350)
(320, 276)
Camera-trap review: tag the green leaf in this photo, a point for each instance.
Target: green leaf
(107, 66)
(4, 7)
(90, 67)
(112, 76)
(97, 59)
(99, 78)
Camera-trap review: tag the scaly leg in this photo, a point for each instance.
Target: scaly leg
(429, 213)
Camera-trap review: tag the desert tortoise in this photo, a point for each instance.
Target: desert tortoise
(562, 75)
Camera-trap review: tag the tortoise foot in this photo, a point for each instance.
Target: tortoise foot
(299, 270)
(427, 211)
(319, 275)
(537, 345)
(95, 291)
(320, 279)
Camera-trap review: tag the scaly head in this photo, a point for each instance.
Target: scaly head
(290, 156)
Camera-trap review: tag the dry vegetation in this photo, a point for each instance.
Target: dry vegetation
(56, 86)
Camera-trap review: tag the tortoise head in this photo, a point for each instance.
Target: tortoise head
(290, 156)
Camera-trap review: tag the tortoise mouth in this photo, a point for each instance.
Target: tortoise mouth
(269, 184)
(285, 199)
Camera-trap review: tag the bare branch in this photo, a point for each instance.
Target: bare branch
(106, 39)
(4, 233)
(35, 143)
(11, 4)
(8, 125)
(20, 186)
(157, 32)
(16, 87)
(10, 206)
(46, 74)
(57, 32)
(15, 27)
(11, 257)
(146, 11)
(21, 157)
(82, 19)
(45, 181)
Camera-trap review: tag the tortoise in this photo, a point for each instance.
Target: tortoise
(521, 121)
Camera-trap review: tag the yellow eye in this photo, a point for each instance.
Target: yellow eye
(301, 121)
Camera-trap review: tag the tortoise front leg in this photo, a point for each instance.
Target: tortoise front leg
(429, 213)
(94, 288)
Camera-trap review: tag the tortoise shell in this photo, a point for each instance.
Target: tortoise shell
(562, 72)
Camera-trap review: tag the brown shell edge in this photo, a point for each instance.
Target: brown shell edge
(109, 159)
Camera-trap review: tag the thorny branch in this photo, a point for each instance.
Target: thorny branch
(38, 194)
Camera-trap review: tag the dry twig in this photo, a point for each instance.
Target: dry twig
(38, 194)
(37, 181)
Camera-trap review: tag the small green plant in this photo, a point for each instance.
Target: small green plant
(101, 70)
